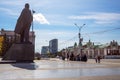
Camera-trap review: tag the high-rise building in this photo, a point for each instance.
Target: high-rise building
(45, 49)
(53, 46)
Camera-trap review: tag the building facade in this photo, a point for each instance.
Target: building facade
(89, 49)
(45, 50)
(53, 46)
(109, 50)
(7, 38)
(11, 35)
(113, 48)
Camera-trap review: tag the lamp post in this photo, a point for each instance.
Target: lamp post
(79, 36)
(32, 26)
(32, 22)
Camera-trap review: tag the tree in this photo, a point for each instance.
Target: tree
(75, 45)
(1, 45)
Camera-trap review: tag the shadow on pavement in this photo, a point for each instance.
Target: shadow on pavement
(29, 66)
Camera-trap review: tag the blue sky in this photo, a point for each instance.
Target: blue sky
(56, 18)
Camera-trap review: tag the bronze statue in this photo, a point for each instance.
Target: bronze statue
(23, 24)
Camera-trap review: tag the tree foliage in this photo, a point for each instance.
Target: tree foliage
(1, 44)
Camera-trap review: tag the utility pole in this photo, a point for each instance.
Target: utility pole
(79, 36)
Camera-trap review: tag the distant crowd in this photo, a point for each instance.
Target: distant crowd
(73, 57)
(79, 57)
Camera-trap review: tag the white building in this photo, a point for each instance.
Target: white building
(109, 50)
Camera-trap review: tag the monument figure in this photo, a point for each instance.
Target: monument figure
(22, 52)
(23, 24)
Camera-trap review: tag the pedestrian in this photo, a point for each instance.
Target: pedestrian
(78, 57)
(99, 57)
(63, 56)
(84, 58)
(67, 56)
(96, 59)
(71, 56)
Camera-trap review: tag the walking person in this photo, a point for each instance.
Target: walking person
(63, 56)
(96, 59)
(99, 57)
(67, 56)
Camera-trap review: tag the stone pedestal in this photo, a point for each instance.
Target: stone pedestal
(20, 52)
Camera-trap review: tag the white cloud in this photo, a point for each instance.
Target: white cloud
(50, 17)
(40, 18)
(100, 18)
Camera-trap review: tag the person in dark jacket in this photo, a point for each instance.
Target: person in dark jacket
(99, 58)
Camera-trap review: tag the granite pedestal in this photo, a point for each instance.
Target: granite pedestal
(20, 53)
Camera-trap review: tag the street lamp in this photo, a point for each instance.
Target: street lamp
(79, 36)
(32, 25)
(32, 22)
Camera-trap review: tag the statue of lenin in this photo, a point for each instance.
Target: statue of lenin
(23, 24)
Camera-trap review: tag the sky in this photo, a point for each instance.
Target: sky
(55, 19)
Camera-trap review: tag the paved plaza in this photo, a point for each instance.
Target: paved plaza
(55, 69)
